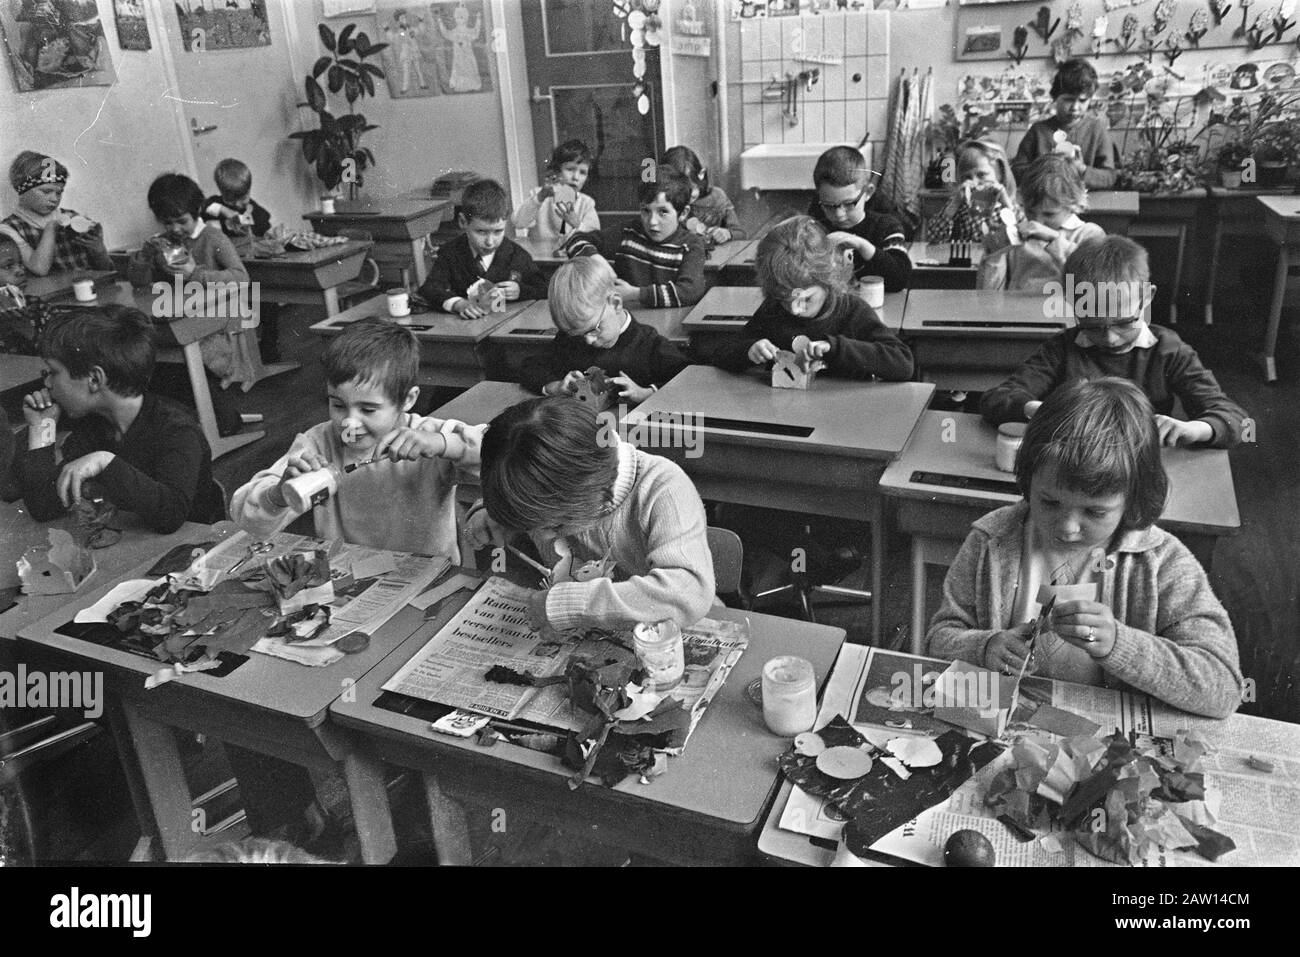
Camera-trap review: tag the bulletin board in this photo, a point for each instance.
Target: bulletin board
(987, 31)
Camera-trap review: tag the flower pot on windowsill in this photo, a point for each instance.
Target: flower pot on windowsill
(1272, 173)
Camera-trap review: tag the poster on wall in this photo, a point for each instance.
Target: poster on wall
(436, 50)
(223, 25)
(56, 45)
(132, 30)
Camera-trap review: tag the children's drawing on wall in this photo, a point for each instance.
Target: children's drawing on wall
(223, 24)
(132, 29)
(56, 44)
(758, 9)
(436, 49)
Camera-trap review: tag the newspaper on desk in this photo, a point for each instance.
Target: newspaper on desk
(384, 582)
(492, 629)
(1260, 811)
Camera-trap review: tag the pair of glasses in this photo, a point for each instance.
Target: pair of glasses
(596, 326)
(830, 209)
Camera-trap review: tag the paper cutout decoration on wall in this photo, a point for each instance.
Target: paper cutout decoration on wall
(435, 50)
(56, 46)
(132, 28)
(226, 25)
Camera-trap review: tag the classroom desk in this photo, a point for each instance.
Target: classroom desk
(1202, 499)
(717, 259)
(969, 339)
(312, 277)
(1282, 226)
(930, 269)
(724, 310)
(1235, 735)
(20, 372)
(267, 704)
(819, 451)
(58, 285)
(530, 332)
(188, 330)
(453, 350)
(398, 226)
(705, 809)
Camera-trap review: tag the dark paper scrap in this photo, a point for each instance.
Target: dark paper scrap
(1059, 721)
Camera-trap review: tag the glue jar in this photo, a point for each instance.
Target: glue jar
(303, 492)
(660, 652)
(789, 696)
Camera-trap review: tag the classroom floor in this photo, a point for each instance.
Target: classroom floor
(1256, 573)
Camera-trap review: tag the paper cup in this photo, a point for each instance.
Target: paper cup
(399, 303)
(327, 205)
(872, 290)
(84, 290)
(1010, 437)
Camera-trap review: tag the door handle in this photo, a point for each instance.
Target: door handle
(538, 96)
(199, 130)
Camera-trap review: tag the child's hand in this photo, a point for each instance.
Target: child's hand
(1032, 229)
(298, 463)
(482, 530)
(509, 289)
(762, 351)
(629, 292)
(1089, 625)
(1176, 432)
(79, 471)
(859, 245)
(546, 192)
(467, 310)
(570, 381)
(39, 407)
(720, 234)
(1006, 650)
(630, 390)
(405, 444)
(569, 213)
(816, 349)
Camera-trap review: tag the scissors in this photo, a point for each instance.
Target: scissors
(254, 549)
(1044, 615)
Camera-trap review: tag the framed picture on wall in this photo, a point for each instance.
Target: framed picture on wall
(223, 25)
(56, 46)
(439, 49)
(132, 29)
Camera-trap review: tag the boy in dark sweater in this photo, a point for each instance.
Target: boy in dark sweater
(145, 453)
(595, 329)
(481, 254)
(877, 242)
(1071, 131)
(805, 280)
(1108, 280)
(658, 261)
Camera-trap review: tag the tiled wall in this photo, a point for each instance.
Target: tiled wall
(852, 97)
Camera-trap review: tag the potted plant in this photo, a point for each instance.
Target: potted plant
(944, 135)
(334, 147)
(1231, 158)
(1276, 148)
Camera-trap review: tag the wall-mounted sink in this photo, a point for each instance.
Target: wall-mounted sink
(784, 165)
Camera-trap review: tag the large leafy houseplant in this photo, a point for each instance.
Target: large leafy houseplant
(334, 148)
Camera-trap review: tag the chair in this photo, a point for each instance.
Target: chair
(367, 281)
(728, 559)
(806, 582)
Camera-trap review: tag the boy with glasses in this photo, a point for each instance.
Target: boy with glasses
(876, 241)
(595, 329)
(1108, 281)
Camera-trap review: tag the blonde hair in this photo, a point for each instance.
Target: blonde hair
(795, 254)
(578, 291)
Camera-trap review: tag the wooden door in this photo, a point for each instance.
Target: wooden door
(580, 73)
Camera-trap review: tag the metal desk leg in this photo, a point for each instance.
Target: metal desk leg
(417, 261)
(331, 300)
(918, 596)
(1215, 243)
(448, 824)
(1275, 312)
(1178, 274)
(369, 798)
(164, 781)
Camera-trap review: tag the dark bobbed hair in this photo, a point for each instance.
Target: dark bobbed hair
(172, 195)
(1099, 437)
(570, 151)
(544, 465)
(1074, 78)
(376, 351)
(118, 339)
(684, 160)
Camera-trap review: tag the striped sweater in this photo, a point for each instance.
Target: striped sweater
(670, 273)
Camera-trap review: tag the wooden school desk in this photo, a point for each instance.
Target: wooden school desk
(971, 339)
(58, 285)
(398, 226)
(268, 705)
(453, 350)
(819, 452)
(312, 277)
(1236, 736)
(930, 269)
(530, 332)
(188, 330)
(705, 809)
(1282, 225)
(719, 257)
(940, 486)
